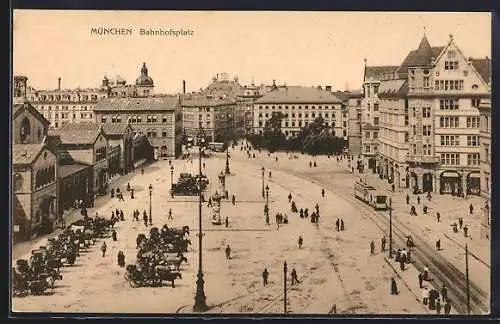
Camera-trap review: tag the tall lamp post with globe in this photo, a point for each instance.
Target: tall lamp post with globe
(200, 304)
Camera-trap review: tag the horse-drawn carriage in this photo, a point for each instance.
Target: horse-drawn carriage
(187, 185)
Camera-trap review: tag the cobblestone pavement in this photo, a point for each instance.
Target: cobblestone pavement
(334, 268)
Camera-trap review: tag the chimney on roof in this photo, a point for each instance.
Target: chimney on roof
(59, 83)
(183, 86)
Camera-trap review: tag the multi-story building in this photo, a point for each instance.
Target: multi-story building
(370, 117)
(159, 118)
(62, 106)
(353, 101)
(485, 163)
(34, 169)
(214, 116)
(429, 137)
(300, 106)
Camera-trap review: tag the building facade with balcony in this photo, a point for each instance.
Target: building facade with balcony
(437, 91)
(370, 117)
(301, 106)
(485, 163)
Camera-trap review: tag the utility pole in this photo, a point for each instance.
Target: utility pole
(390, 228)
(467, 278)
(284, 286)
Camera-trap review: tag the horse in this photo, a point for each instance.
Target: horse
(164, 273)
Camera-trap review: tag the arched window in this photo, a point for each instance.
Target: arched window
(18, 182)
(25, 129)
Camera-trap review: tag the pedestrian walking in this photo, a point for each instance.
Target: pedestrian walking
(314, 164)
(145, 218)
(338, 224)
(418, 200)
(289, 197)
(301, 240)
(465, 230)
(341, 224)
(372, 247)
(323, 193)
(425, 295)
(310, 164)
(447, 307)
(460, 222)
(142, 171)
(383, 242)
(122, 217)
(394, 287)
(113, 235)
(407, 199)
(438, 217)
(103, 249)
(471, 209)
(444, 292)
(203, 165)
(234, 200)
(420, 279)
(170, 214)
(228, 252)
(426, 273)
(393, 187)
(295, 279)
(269, 174)
(209, 201)
(438, 245)
(438, 307)
(265, 276)
(276, 159)
(227, 222)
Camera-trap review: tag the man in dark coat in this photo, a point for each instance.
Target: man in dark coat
(341, 224)
(295, 279)
(301, 240)
(407, 199)
(471, 209)
(338, 224)
(289, 197)
(447, 308)
(383, 241)
(394, 287)
(265, 276)
(372, 247)
(420, 279)
(145, 218)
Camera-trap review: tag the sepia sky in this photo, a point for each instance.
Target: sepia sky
(296, 48)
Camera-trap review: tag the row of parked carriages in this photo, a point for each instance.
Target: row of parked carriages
(42, 270)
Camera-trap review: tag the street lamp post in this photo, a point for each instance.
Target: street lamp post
(200, 304)
(263, 194)
(284, 286)
(171, 177)
(467, 278)
(390, 227)
(227, 148)
(150, 214)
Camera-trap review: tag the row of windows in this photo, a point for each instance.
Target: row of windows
(449, 122)
(306, 107)
(49, 108)
(454, 159)
(100, 154)
(448, 104)
(367, 134)
(375, 107)
(306, 115)
(66, 115)
(153, 133)
(68, 98)
(134, 119)
(450, 140)
(451, 65)
(450, 158)
(449, 84)
(286, 124)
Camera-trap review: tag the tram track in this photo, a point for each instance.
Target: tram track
(443, 270)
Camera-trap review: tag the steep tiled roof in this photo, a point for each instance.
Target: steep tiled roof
(115, 128)
(17, 107)
(205, 102)
(298, 94)
(422, 56)
(131, 104)
(393, 88)
(376, 72)
(17, 209)
(79, 133)
(25, 153)
(483, 67)
(65, 170)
